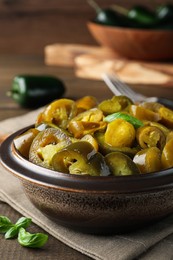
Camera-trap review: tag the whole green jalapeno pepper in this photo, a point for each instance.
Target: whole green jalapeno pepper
(165, 12)
(165, 15)
(107, 16)
(32, 91)
(141, 16)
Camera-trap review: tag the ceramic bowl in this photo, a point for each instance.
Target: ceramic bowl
(140, 44)
(92, 204)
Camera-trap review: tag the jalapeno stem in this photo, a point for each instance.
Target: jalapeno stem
(120, 9)
(15, 94)
(96, 7)
(9, 93)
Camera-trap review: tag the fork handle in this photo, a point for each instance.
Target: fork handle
(166, 102)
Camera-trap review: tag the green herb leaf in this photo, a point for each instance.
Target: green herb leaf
(23, 222)
(13, 231)
(27, 239)
(131, 119)
(5, 224)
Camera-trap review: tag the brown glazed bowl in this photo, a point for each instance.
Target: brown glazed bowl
(140, 44)
(92, 204)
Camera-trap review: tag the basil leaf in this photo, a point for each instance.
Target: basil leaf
(131, 119)
(13, 231)
(27, 239)
(23, 222)
(5, 224)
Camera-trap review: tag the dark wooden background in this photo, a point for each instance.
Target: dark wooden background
(27, 26)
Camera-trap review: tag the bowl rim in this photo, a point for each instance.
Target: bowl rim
(91, 23)
(23, 169)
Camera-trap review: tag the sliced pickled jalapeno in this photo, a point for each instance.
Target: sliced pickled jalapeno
(59, 112)
(24, 141)
(120, 164)
(115, 104)
(80, 158)
(120, 133)
(87, 122)
(150, 136)
(167, 154)
(46, 144)
(148, 160)
(114, 137)
(105, 148)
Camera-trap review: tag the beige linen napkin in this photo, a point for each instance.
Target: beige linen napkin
(154, 242)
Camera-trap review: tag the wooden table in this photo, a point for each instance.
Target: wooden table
(76, 88)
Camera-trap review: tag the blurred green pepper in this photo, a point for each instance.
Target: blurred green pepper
(139, 16)
(165, 12)
(143, 16)
(33, 91)
(107, 16)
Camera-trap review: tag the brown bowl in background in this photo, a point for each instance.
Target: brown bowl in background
(140, 44)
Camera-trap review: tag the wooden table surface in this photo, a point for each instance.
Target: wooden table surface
(75, 88)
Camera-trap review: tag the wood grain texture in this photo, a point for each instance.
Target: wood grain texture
(65, 54)
(91, 62)
(27, 26)
(132, 72)
(54, 249)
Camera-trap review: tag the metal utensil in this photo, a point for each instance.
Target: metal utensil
(118, 87)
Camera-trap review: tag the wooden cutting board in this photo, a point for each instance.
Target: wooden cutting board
(92, 61)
